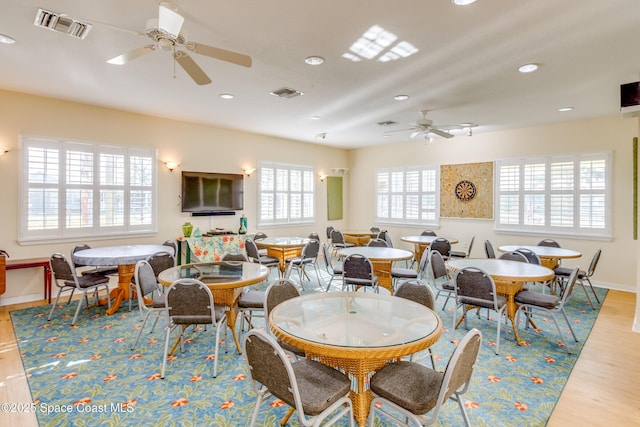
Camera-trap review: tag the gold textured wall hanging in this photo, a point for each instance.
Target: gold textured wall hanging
(466, 190)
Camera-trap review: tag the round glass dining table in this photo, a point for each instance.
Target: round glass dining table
(356, 332)
(283, 247)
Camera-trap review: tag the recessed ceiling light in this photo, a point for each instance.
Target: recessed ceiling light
(314, 60)
(226, 96)
(401, 97)
(6, 39)
(565, 109)
(315, 117)
(528, 68)
(462, 2)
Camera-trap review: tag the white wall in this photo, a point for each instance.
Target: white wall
(197, 147)
(617, 267)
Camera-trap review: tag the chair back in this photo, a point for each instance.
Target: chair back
(378, 243)
(259, 235)
(310, 250)
(252, 250)
(549, 242)
(473, 238)
(145, 280)
(424, 263)
(488, 249)
(475, 287)
(568, 288)
(76, 249)
(337, 237)
(269, 366)
(417, 291)
(62, 268)
(457, 374)
(357, 269)
(437, 265)
(161, 261)
(594, 263)
(326, 255)
(235, 257)
(428, 233)
(532, 257)
(314, 236)
(514, 256)
(279, 291)
(173, 245)
(328, 230)
(374, 229)
(441, 245)
(384, 235)
(189, 301)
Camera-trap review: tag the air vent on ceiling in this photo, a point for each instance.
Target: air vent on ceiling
(286, 92)
(387, 123)
(61, 24)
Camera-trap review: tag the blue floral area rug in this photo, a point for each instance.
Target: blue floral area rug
(88, 375)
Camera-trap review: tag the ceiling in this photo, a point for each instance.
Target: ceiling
(465, 69)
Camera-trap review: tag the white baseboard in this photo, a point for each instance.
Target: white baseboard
(20, 299)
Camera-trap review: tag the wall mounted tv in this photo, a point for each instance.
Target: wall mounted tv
(207, 193)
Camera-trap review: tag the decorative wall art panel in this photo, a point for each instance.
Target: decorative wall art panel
(466, 190)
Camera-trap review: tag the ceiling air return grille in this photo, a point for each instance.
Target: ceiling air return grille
(387, 123)
(286, 92)
(61, 24)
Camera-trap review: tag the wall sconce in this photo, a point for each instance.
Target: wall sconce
(248, 171)
(171, 165)
(3, 152)
(322, 177)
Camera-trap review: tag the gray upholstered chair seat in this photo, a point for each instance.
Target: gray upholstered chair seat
(87, 281)
(448, 285)
(199, 319)
(501, 301)
(565, 271)
(158, 301)
(410, 385)
(252, 300)
(537, 298)
(404, 273)
(319, 385)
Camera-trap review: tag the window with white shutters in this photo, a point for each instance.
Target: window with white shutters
(72, 189)
(555, 195)
(408, 195)
(286, 194)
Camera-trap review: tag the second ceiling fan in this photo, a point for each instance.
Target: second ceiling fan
(424, 127)
(166, 36)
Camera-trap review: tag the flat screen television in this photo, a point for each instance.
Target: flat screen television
(207, 192)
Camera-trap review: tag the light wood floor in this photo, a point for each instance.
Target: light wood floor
(603, 389)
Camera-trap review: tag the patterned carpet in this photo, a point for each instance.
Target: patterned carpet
(87, 375)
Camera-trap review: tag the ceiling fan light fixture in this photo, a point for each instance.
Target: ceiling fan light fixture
(6, 39)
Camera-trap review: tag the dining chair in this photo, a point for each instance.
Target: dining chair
(266, 260)
(384, 235)
(190, 302)
(66, 279)
(474, 288)
(358, 271)
(531, 257)
(428, 233)
(528, 301)
(316, 391)
(374, 229)
(376, 242)
(307, 258)
(463, 254)
(95, 270)
(406, 391)
(338, 242)
(278, 291)
(440, 278)
(514, 256)
(549, 242)
(173, 245)
(314, 236)
(417, 291)
(159, 262)
(406, 273)
(259, 236)
(251, 301)
(562, 274)
(150, 297)
(488, 249)
(334, 270)
(441, 245)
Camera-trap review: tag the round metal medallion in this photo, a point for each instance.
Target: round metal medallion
(465, 190)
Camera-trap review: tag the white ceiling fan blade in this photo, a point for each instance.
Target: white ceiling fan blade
(169, 19)
(190, 66)
(131, 55)
(415, 133)
(221, 54)
(441, 133)
(399, 130)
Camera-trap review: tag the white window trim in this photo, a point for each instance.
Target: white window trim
(545, 230)
(95, 232)
(403, 220)
(288, 220)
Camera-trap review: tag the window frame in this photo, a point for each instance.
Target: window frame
(553, 193)
(89, 154)
(306, 191)
(405, 195)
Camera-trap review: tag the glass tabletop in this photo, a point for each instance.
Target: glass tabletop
(223, 272)
(355, 319)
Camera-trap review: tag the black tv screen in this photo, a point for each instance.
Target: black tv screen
(204, 192)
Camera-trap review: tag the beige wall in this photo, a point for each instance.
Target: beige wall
(617, 267)
(197, 147)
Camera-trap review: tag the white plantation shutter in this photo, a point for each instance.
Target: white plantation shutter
(408, 195)
(72, 189)
(286, 194)
(555, 195)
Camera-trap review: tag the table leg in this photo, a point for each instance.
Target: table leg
(509, 291)
(382, 269)
(232, 313)
(121, 293)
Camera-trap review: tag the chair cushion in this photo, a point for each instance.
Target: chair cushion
(266, 259)
(199, 319)
(404, 273)
(537, 298)
(251, 299)
(482, 302)
(320, 385)
(409, 385)
(457, 254)
(88, 281)
(159, 301)
(564, 271)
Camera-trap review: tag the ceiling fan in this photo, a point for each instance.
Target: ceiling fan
(165, 34)
(425, 127)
